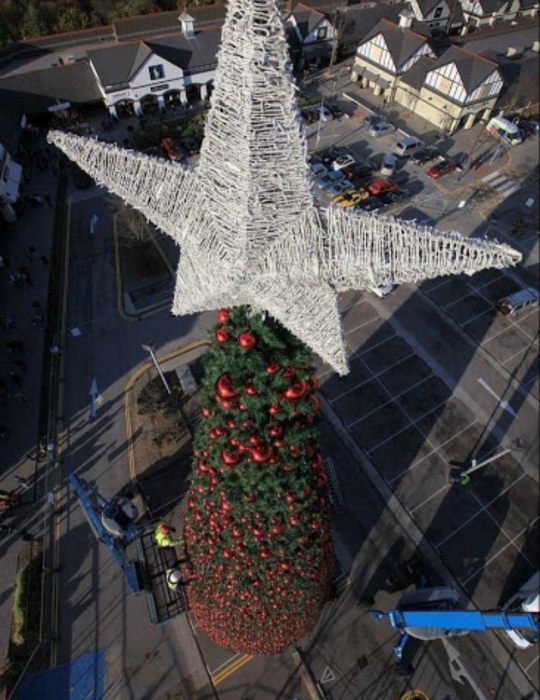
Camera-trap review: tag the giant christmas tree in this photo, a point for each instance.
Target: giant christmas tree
(258, 529)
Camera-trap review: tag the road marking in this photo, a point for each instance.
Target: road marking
(93, 223)
(489, 177)
(95, 397)
(328, 675)
(415, 695)
(429, 498)
(234, 666)
(458, 670)
(502, 403)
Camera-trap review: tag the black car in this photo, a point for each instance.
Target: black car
(357, 170)
(527, 127)
(370, 204)
(395, 196)
(310, 116)
(424, 155)
(336, 111)
(371, 120)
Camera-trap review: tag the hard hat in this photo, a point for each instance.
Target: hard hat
(175, 577)
(164, 528)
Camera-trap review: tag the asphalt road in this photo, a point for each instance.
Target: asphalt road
(412, 405)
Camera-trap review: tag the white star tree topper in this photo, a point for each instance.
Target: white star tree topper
(245, 217)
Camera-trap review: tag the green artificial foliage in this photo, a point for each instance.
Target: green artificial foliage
(257, 529)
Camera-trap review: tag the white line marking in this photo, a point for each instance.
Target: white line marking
(359, 354)
(376, 318)
(502, 403)
(512, 191)
(488, 561)
(498, 181)
(429, 498)
(489, 177)
(464, 323)
(506, 185)
(225, 663)
(526, 669)
(469, 520)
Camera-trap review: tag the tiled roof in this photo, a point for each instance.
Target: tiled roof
(116, 64)
(306, 18)
(34, 92)
(427, 6)
(402, 43)
(416, 75)
(473, 69)
(491, 6)
(359, 21)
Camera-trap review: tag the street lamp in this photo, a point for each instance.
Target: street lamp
(464, 476)
(150, 347)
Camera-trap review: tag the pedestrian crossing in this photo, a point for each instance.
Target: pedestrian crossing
(501, 183)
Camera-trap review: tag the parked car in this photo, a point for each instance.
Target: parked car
(526, 600)
(174, 149)
(358, 169)
(381, 129)
(395, 196)
(318, 169)
(518, 301)
(527, 127)
(343, 161)
(379, 187)
(369, 204)
(337, 112)
(325, 115)
(444, 167)
(388, 165)
(350, 199)
(372, 119)
(325, 181)
(329, 156)
(192, 144)
(424, 155)
(340, 187)
(309, 115)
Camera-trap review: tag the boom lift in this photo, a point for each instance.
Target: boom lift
(115, 524)
(433, 613)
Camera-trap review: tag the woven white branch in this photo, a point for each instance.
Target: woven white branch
(246, 219)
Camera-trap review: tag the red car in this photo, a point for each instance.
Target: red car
(379, 187)
(442, 168)
(175, 151)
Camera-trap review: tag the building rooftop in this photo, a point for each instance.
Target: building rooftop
(402, 43)
(306, 18)
(473, 69)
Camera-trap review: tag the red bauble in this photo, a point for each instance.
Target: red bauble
(261, 454)
(224, 387)
(247, 424)
(222, 336)
(230, 458)
(279, 444)
(246, 340)
(289, 372)
(316, 403)
(251, 390)
(223, 315)
(206, 412)
(296, 391)
(295, 451)
(232, 425)
(272, 369)
(276, 431)
(314, 382)
(274, 410)
(220, 431)
(255, 439)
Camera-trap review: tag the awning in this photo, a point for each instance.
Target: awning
(13, 182)
(376, 78)
(358, 70)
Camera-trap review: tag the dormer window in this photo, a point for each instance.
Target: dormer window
(156, 72)
(322, 33)
(438, 12)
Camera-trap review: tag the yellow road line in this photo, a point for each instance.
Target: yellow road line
(127, 391)
(343, 583)
(414, 695)
(231, 668)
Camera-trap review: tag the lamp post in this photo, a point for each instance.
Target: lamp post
(150, 347)
(464, 476)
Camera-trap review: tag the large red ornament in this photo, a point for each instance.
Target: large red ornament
(222, 336)
(224, 387)
(297, 391)
(272, 369)
(230, 458)
(223, 315)
(247, 340)
(261, 454)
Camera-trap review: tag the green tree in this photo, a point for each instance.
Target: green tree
(35, 22)
(71, 19)
(257, 529)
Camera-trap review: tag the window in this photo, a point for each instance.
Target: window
(156, 72)
(322, 33)
(438, 13)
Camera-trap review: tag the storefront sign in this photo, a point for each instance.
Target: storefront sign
(159, 88)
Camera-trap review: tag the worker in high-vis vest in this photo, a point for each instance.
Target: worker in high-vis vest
(164, 536)
(174, 579)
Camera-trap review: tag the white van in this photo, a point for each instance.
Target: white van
(406, 146)
(505, 130)
(527, 599)
(519, 301)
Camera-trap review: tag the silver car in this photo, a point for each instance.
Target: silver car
(381, 129)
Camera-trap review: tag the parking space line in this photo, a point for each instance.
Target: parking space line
(366, 323)
(526, 669)
(373, 376)
(469, 520)
(356, 386)
(510, 325)
(470, 320)
(510, 543)
(429, 498)
(453, 437)
(372, 347)
(519, 352)
(456, 301)
(386, 369)
(392, 398)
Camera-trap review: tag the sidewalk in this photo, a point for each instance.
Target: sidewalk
(26, 250)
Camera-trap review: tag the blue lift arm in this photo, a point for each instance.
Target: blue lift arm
(466, 620)
(91, 501)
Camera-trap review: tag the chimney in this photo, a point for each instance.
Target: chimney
(514, 52)
(405, 19)
(187, 25)
(536, 46)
